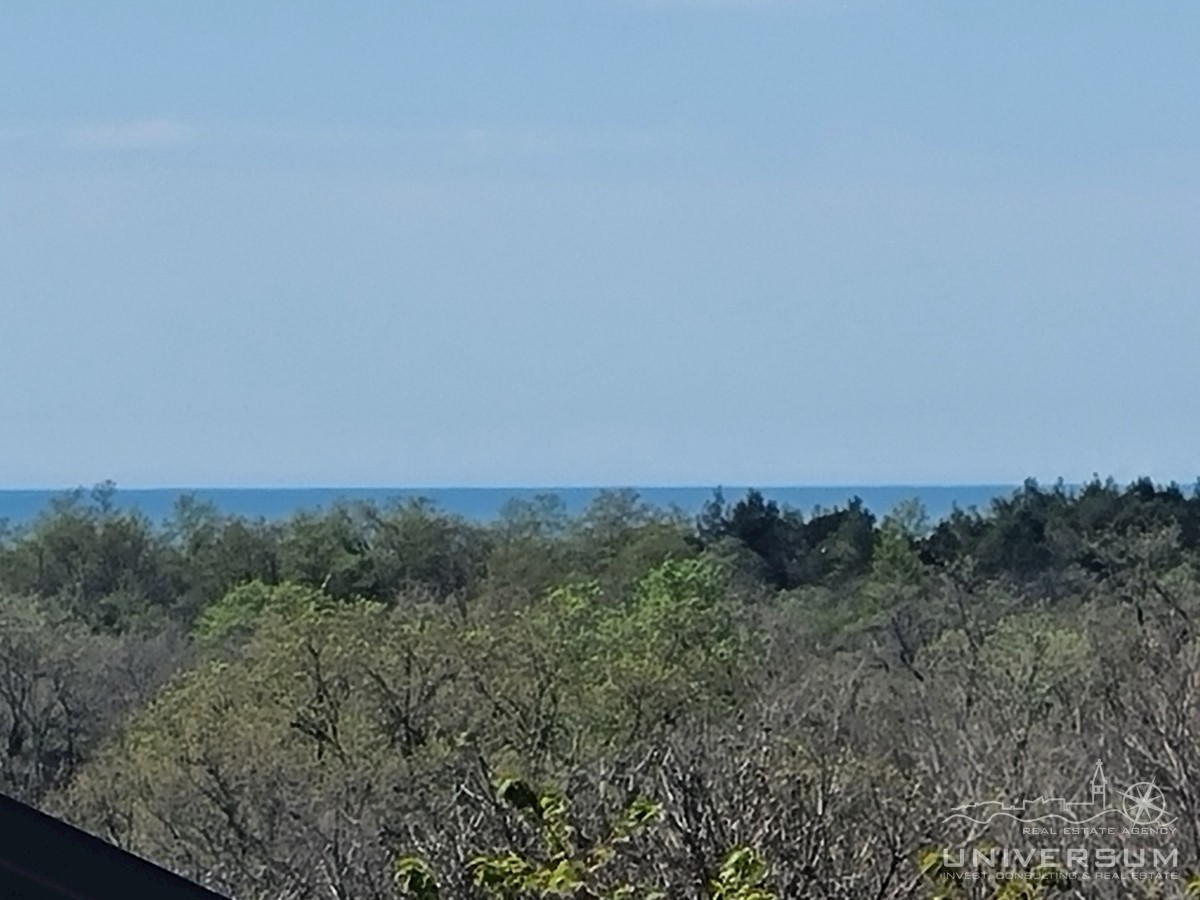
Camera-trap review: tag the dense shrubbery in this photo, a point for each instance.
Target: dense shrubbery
(787, 706)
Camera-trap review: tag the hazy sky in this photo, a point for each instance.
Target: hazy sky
(627, 241)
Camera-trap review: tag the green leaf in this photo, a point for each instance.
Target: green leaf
(415, 879)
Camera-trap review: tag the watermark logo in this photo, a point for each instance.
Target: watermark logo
(1140, 805)
(1122, 825)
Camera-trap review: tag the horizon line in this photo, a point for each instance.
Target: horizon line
(691, 485)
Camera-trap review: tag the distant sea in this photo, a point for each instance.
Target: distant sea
(19, 507)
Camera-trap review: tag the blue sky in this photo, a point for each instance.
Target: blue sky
(621, 242)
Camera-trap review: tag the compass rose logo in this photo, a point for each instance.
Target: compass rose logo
(1143, 804)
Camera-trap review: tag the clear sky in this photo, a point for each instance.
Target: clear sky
(618, 242)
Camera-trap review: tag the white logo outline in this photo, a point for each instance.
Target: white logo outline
(1141, 804)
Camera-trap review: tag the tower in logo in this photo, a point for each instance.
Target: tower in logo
(1100, 786)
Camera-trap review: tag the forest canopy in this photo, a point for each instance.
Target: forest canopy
(387, 700)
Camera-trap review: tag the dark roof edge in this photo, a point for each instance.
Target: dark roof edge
(42, 851)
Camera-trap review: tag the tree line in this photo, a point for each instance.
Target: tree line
(381, 701)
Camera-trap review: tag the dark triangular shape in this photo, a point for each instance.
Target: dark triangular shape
(43, 858)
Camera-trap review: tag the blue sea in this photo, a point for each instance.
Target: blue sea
(19, 507)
